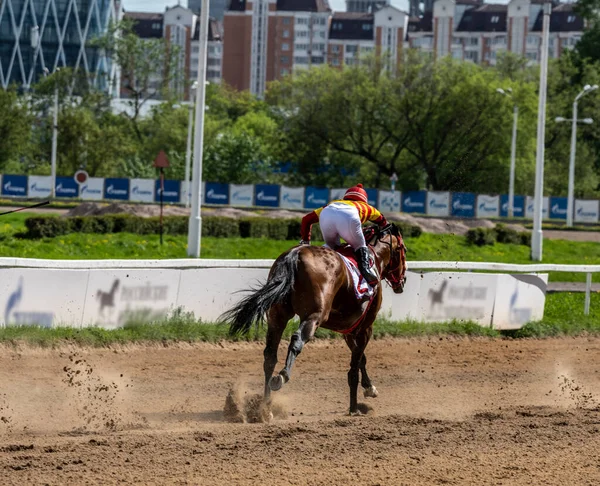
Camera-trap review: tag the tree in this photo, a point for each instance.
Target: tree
(150, 68)
(15, 128)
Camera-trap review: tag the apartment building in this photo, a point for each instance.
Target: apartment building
(355, 35)
(179, 26)
(477, 32)
(267, 41)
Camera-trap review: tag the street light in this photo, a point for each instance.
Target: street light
(513, 153)
(195, 226)
(536, 235)
(188, 153)
(54, 136)
(574, 121)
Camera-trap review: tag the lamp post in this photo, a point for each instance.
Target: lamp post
(513, 153)
(570, 201)
(54, 136)
(537, 236)
(195, 225)
(188, 153)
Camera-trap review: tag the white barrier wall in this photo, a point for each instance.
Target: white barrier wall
(109, 298)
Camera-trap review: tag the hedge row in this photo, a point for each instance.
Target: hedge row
(500, 234)
(255, 227)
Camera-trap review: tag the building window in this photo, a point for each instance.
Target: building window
(301, 47)
(285, 60)
(302, 21)
(286, 33)
(336, 26)
(351, 49)
(286, 21)
(366, 50)
(350, 62)
(285, 47)
(284, 72)
(474, 41)
(532, 56)
(335, 62)
(457, 54)
(367, 27)
(195, 49)
(300, 33)
(335, 49)
(488, 42)
(500, 41)
(300, 60)
(322, 35)
(456, 40)
(571, 19)
(156, 26)
(495, 19)
(323, 20)
(317, 60)
(533, 40)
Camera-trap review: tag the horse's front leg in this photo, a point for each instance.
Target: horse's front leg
(305, 333)
(369, 389)
(357, 362)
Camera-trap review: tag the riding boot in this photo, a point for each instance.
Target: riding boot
(364, 265)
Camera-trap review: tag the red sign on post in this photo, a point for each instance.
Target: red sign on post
(161, 161)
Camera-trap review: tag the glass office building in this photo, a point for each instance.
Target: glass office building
(49, 34)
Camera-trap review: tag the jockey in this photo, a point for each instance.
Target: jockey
(344, 218)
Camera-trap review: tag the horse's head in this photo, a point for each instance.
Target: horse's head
(395, 270)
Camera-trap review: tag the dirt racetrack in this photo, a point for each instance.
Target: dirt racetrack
(450, 411)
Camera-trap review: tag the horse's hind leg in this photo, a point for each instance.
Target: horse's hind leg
(305, 332)
(277, 319)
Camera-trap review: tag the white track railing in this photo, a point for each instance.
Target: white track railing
(205, 263)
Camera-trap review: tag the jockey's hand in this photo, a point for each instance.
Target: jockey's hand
(304, 242)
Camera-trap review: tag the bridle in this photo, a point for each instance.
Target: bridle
(395, 274)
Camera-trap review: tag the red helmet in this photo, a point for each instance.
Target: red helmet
(356, 193)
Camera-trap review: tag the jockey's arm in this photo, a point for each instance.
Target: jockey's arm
(307, 222)
(377, 218)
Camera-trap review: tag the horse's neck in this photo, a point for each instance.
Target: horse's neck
(383, 256)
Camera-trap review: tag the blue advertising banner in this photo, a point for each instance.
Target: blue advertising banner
(116, 189)
(315, 197)
(266, 195)
(172, 191)
(519, 206)
(414, 202)
(463, 204)
(66, 187)
(14, 185)
(558, 207)
(372, 196)
(216, 193)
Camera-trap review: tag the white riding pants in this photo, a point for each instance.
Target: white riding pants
(339, 219)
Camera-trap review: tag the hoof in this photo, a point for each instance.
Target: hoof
(370, 392)
(357, 413)
(276, 382)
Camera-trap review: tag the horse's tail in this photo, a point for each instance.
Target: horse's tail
(252, 308)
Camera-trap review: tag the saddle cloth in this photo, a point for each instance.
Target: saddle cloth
(361, 288)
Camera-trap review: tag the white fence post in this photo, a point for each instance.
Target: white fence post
(588, 289)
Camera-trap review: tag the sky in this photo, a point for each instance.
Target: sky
(160, 5)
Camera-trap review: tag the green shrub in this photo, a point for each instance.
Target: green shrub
(481, 236)
(525, 238)
(507, 235)
(409, 230)
(220, 227)
(46, 226)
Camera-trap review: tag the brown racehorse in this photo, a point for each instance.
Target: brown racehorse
(314, 283)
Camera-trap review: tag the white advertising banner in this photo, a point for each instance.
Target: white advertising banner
(438, 203)
(142, 190)
(292, 197)
(92, 189)
(586, 211)
(400, 307)
(241, 195)
(39, 297)
(545, 208)
(519, 299)
(488, 206)
(39, 186)
(199, 293)
(462, 296)
(336, 194)
(115, 297)
(389, 201)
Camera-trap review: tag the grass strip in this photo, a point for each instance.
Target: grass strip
(564, 317)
